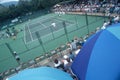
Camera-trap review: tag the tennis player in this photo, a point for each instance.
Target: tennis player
(53, 24)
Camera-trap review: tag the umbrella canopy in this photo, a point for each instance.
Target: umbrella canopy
(42, 73)
(99, 59)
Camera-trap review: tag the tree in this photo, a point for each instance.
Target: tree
(23, 7)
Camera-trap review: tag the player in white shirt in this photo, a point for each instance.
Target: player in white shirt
(53, 24)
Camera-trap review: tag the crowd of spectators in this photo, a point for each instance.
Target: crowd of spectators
(75, 45)
(89, 6)
(73, 48)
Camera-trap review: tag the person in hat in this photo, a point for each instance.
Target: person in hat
(16, 57)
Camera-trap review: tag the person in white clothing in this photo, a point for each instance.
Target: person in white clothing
(58, 64)
(16, 57)
(53, 24)
(105, 25)
(116, 19)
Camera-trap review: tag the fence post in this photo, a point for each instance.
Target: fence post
(87, 22)
(8, 46)
(40, 41)
(76, 20)
(64, 26)
(10, 49)
(52, 32)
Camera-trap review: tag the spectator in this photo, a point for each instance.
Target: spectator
(67, 62)
(78, 50)
(81, 41)
(69, 45)
(73, 44)
(8, 33)
(68, 65)
(97, 29)
(58, 64)
(16, 57)
(71, 55)
(76, 40)
(86, 37)
(116, 19)
(14, 31)
(104, 25)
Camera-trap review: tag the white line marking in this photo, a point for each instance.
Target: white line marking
(24, 36)
(45, 27)
(42, 20)
(58, 21)
(30, 32)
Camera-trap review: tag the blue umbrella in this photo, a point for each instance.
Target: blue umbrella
(99, 59)
(42, 73)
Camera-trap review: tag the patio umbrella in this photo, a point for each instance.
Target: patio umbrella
(41, 73)
(99, 58)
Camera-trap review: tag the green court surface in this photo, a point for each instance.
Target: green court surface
(29, 48)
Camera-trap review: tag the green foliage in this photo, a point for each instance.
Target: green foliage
(23, 7)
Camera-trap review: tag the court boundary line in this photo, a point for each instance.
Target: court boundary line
(64, 20)
(53, 17)
(51, 33)
(54, 32)
(43, 28)
(40, 20)
(62, 34)
(46, 35)
(25, 36)
(30, 32)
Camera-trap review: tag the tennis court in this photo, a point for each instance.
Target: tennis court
(28, 47)
(44, 27)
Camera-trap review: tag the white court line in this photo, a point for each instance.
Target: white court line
(64, 20)
(48, 34)
(30, 32)
(53, 32)
(43, 19)
(58, 21)
(24, 36)
(44, 26)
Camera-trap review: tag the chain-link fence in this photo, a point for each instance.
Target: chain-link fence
(52, 39)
